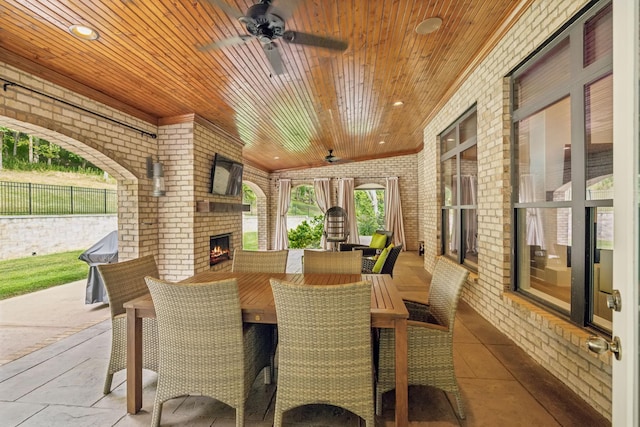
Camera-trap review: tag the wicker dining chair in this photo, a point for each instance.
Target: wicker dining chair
(332, 262)
(203, 348)
(325, 347)
(124, 281)
(260, 261)
(430, 337)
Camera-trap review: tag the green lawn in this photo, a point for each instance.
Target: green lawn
(24, 275)
(250, 241)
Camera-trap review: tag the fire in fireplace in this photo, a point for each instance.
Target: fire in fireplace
(219, 248)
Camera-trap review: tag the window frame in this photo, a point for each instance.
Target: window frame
(457, 207)
(582, 210)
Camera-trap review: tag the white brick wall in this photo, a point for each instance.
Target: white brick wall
(21, 236)
(370, 171)
(557, 344)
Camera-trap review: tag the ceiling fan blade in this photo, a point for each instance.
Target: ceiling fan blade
(313, 40)
(220, 44)
(273, 55)
(227, 8)
(284, 8)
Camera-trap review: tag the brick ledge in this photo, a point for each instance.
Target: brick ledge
(560, 327)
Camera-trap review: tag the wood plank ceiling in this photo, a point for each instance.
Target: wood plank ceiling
(147, 63)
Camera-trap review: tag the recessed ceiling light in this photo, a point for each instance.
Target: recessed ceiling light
(83, 32)
(429, 25)
(398, 103)
(382, 142)
(276, 158)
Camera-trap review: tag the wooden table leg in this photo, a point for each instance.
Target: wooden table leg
(134, 362)
(402, 381)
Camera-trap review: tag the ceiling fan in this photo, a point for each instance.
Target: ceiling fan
(267, 23)
(330, 158)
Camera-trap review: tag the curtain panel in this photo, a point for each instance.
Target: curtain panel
(393, 212)
(346, 199)
(284, 199)
(322, 190)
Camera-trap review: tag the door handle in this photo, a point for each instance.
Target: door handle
(599, 345)
(614, 300)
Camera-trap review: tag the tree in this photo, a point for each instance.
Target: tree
(16, 139)
(307, 235)
(249, 197)
(370, 216)
(49, 151)
(1, 146)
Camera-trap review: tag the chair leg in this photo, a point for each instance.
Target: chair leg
(267, 374)
(461, 413)
(157, 412)
(240, 417)
(107, 383)
(378, 403)
(277, 419)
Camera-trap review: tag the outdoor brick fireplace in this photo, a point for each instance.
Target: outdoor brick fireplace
(219, 248)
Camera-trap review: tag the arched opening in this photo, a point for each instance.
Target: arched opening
(304, 218)
(127, 182)
(254, 222)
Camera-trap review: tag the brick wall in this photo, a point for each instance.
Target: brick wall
(258, 181)
(557, 344)
(117, 149)
(370, 171)
(188, 145)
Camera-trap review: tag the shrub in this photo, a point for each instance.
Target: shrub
(307, 235)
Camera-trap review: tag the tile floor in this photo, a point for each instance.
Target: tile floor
(60, 384)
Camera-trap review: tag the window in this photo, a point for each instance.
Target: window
(369, 202)
(459, 190)
(563, 164)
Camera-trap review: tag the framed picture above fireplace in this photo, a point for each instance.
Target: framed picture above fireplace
(226, 176)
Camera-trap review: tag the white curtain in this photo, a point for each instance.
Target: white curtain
(469, 191)
(322, 190)
(393, 212)
(284, 198)
(346, 199)
(470, 197)
(534, 228)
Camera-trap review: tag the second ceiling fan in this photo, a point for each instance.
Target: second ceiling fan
(267, 23)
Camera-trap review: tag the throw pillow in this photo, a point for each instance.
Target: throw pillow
(377, 267)
(378, 241)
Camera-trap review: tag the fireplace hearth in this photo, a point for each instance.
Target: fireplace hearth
(219, 248)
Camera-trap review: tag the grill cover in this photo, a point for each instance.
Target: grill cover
(105, 251)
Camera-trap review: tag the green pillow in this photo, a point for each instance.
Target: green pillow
(377, 268)
(378, 241)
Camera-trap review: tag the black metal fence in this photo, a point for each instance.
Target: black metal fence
(23, 198)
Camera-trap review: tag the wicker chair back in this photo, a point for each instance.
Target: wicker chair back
(203, 348)
(260, 261)
(332, 262)
(325, 347)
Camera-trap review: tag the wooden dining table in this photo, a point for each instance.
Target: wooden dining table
(258, 306)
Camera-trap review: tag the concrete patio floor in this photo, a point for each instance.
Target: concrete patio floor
(55, 378)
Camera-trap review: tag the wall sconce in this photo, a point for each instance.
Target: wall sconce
(155, 171)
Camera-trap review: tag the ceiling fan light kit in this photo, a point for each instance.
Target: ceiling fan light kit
(266, 23)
